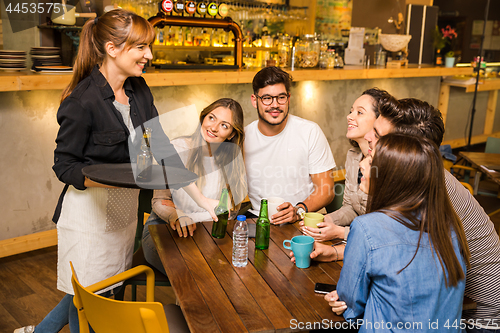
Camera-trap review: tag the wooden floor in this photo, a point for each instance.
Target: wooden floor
(28, 289)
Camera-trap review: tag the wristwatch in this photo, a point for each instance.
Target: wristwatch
(300, 212)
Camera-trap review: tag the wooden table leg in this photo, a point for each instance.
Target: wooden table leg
(490, 112)
(477, 178)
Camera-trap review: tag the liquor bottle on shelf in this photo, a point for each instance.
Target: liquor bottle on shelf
(206, 38)
(263, 227)
(188, 40)
(178, 37)
(168, 36)
(439, 58)
(222, 212)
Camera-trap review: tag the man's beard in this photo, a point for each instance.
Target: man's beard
(270, 110)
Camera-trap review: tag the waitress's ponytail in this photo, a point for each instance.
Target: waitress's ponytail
(88, 56)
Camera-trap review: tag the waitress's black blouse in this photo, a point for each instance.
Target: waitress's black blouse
(92, 131)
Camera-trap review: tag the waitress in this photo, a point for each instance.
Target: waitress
(104, 103)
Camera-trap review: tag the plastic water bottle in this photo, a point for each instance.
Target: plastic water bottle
(240, 242)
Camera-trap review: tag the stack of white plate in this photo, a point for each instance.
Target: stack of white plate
(12, 60)
(46, 56)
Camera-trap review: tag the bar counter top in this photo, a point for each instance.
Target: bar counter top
(16, 81)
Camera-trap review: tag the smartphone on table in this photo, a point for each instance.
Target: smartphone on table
(324, 288)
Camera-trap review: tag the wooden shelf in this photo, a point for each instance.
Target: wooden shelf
(484, 85)
(212, 48)
(33, 81)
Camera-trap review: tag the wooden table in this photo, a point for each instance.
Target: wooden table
(491, 85)
(270, 294)
(477, 160)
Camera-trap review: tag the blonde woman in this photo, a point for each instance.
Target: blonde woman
(214, 153)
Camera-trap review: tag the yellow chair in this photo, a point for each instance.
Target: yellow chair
(109, 316)
(448, 165)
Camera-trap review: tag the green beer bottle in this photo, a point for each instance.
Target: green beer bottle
(263, 227)
(219, 227)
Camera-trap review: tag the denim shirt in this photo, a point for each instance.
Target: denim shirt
(416, 299)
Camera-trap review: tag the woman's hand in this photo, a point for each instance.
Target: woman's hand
(183, 225)
(209, 205)
(324, 253)
(325, 231)
(338, 306)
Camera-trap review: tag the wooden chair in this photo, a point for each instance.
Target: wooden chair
(449, 166)
(106, 315)
(492, 147)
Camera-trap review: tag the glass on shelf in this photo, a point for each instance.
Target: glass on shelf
(307, 51)
(206, 38)
(284, 51)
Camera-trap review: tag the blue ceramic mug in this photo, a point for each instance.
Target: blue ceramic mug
(302, 246)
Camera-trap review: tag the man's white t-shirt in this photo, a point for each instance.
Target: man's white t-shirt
(281, 165)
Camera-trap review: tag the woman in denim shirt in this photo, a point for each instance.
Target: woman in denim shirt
(405, 261)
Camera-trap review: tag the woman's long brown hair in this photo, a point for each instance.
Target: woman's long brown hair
(407, 184)
(118, 26)
(226, 153)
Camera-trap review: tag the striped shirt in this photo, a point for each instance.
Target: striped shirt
(483, 277)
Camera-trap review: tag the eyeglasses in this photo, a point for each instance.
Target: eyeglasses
(268, 99)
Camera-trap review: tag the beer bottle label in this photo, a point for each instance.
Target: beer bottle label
(212, 9)
(223, 10)
(167, 6)
(190, 7)
(202, 8)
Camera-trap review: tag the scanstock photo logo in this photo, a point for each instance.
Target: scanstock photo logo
(25, 14)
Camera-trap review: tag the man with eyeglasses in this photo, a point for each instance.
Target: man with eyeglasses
(285, 156)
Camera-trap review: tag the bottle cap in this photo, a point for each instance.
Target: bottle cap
(241, 218)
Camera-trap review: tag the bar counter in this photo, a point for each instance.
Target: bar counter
(30, 102)
(12, 81)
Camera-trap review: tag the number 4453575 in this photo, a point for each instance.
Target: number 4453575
(27, 7)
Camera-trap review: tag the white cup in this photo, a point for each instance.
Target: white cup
(272, 205)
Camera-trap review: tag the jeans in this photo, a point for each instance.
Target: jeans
(148, 246)
(65, 313)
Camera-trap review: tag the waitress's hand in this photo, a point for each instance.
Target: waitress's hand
(324, 231)
(183, 225)
(338, 306)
